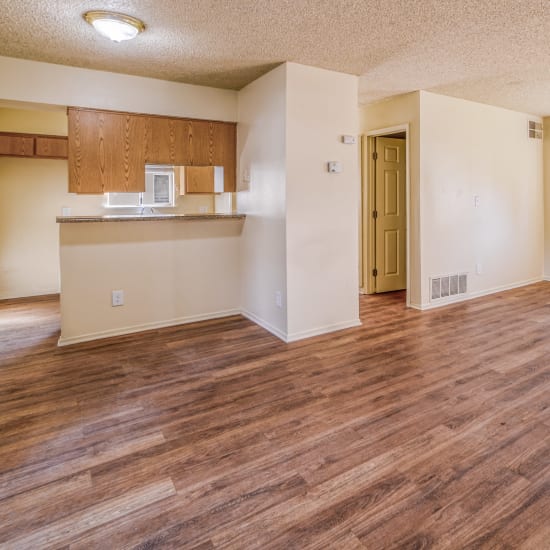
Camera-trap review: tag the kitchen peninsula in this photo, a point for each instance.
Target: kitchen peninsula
(171, 269)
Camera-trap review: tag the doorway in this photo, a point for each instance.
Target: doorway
(385, 211)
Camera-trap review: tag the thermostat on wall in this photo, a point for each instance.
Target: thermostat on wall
(334, 167)
(349, 140)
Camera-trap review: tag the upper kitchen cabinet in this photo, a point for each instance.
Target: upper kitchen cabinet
(106, 151)
(16, 145)
(33, 146)
(186, 142)
(51, 147)
(200, 143)
(167, 141)
(224, 152)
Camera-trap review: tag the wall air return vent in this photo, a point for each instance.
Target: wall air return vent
(448, 286)
(535, 130)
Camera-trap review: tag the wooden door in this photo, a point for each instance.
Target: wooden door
(390, 223)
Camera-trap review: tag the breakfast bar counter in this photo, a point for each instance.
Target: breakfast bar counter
(147, 217)
(166, 272)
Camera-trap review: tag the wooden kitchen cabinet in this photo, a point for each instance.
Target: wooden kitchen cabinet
(16, 145)
(51, 147)
(200, 143)
(168, 141)
(33, 145)
(202, 179)
(106, 151)
(224, 153)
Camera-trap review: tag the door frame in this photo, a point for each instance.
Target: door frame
(367, 204)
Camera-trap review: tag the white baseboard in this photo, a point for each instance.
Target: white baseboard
(546, 278)
(145, 326)
(264, 324)
(478, 294)
(285, 337)
(322, 330)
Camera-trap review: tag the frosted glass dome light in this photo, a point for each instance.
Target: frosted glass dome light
(115, 26)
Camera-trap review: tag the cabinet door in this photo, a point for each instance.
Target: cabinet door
(106, 152)
(167, 141)
(51, 147)
(125, 145)
(199, 179)
(200, 142)
(16, 146)
(225, 152)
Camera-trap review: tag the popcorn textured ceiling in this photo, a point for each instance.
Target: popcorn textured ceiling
(492, 51)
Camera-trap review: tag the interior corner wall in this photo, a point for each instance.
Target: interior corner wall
(46, 83)
(321, 208)
(261, 186)
(404, 109)
(470, 150)
(546, 169)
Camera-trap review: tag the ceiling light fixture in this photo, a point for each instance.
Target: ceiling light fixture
(115, 26)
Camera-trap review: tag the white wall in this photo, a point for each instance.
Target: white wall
(546, 146)
(37, 82)
(404, 109)
(261, 146)
(469, 149)
(321, 208)
(459, 149)
(171, 272)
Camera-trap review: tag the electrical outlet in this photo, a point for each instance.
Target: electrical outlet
(279, 298)
(117, 298)
(203, 209)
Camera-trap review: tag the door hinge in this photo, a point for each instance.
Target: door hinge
(375, 214)
(375, 272)
(375, 156)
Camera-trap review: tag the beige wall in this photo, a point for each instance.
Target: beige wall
(171, 272)
(404, 109)
(261, 154)
(546, 146)
(32, 193)
(36, 82)
(469, 149)
(321, 208)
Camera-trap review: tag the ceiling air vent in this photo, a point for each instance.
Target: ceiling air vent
(448, 286)
(535, 129)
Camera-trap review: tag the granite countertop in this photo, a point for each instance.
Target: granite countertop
(146, 217)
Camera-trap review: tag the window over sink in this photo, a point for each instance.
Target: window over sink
(159, 191)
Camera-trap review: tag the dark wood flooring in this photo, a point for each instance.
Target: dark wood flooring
(416, 430)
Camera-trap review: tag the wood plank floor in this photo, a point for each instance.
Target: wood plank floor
(415, 430)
